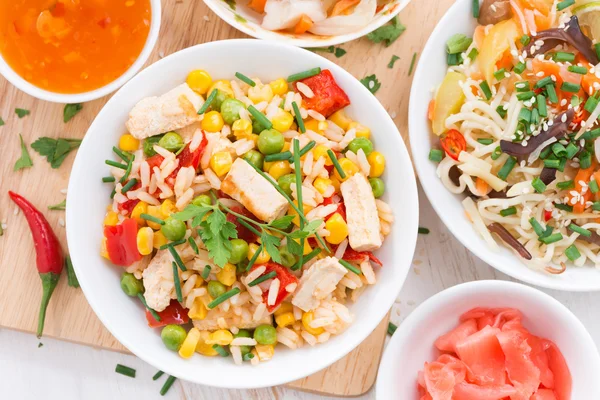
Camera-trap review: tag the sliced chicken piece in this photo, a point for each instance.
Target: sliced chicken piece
(255, 193)
(361, 214)
(318, 282)
(173, 110)
(284, 14)
(211, 322)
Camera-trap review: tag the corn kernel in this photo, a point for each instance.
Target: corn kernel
(279, 86)
(242, 129)
(139, 209)
(167, 208)
(285, 319)
(221, 337)
(260, 93)
(221, 162)
(282, 121)
(336, 183)
(285, 307)
(348, 167)
(227, 274)
(145, 240)
(212, 121)
(203, 348)
(286, 146)
(279, 168)
(262, 258)
(103, 250)
(321, 184)
(292, 211)
(321, 151)
(315, 126)
(340, 119)
(128, 143)
(338, 229)
(189, 344)
(307, 318)
(155, 212)
(223, 85)
(111, 219)
(199, 81)
(267, 165)
(361, 130)
(265, 351)
(159, 240)
(198, 310)
(377, 163)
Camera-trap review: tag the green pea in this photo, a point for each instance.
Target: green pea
(361, 143)
(287, 259)
(270, 141)
(257, 127)
(241, 266)
(239, 250)
(219, 99)
(173, 336)
(255, 158)
(265, 334)
(149, 145)
(173, 229)
(131, 285)
(230, 110)
(245, 334)
(202, 201)
(378, 187)
(286, 181)
(216, 288)
(171, 141)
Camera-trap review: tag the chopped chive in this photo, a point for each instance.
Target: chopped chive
(524, 96)
(585, 159)
(572, 253)
(304, 74)
(307, 258)
(590, 104)
(564, 207)
(499, 75)
(123, 370)
(263, 278)
(120, 153)
(508, 211)
(522, 86)
(176, 257)
(247, 356)
(559, 150)
(205, 272)
(552, 97)
(525, 39)
(436, 155)
(223, 297)
(570, 87)
(168, 383)
(152, 218)
(193, 245)
(519, 68)
(254, 257)
(172, 244)
(112, 194)
(485, 88)
(525, 115)
(564, 4)
(537, 227)
(535, 116)
(561, 56)
(307, 148)
(454, 59)
(115, 164)
(286, 155)
(561, 166)
(128, 170)
(423, 231)
(154, 313)
(473, 54)
(555, 237)
(157, 375)
(245, 79)
(391, 328)
(565, 185)
(221, 350)
(177, 282)
(299, 121)
(350, 267)
(571, 149)
(590, 135)
(501, 111)
(543, 82)
(475, 8)
(593, 185)
(458, 43)
(260, 117)
(485, 142)
(596, 206)
(208, 101)
(297, 172)
(538, 185)
(546, 152)
(106, 179)
(129, 185)
(578, 69)
(71, 277)
(507, 167)
(580, 230)
(551, 163)
(412, 64)
(336, 164)
(541, 105)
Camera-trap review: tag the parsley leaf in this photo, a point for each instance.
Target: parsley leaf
(393, 61)
(60, 206)
(271, 244)
(371, 83)
(55, 150)
(283, 222)
(216, 232)
(388, 33)
(1, 121)
(337, 51)
(294, 247)
(25, 160)
(72, 278)
(21, 112)
(71, 110)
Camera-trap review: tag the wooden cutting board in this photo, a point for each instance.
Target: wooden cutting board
(183, 24)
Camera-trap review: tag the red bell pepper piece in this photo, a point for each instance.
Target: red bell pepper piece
(328, 96)
(49, 255)
(353, 255)
(340, 210)
(547, 215)
(121, 243)
(242, 231)
(173, 314)
(186, 159)
(285, 278)
(128, 206)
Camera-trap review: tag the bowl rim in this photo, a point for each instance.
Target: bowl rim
(466, 289)
(219, 8)
(350, 342)
(20, 83)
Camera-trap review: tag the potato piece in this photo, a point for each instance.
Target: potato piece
(448, 100)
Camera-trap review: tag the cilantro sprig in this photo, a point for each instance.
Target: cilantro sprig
(55, 150)
(60, 206)
(371, 82)
(71, 110)
(25, 160)
(388, 33)
(337, 51)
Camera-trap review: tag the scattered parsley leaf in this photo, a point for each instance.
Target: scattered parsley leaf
(371, 83)
(1, 121)
(283, 222)
(294, 247)
(55, 150)
(412, 64)
(21, 112)
(60, 206)
(40, 344)
(391, 328)
(271, 244)
(388, 33)
(25, 160)
(339, 52)
(393, 61)
(71, 110)
(216, 232)
(1, 229)
(72, 278)
(423, 230)
(191, 211)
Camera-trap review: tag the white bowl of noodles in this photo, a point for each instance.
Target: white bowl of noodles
(430, 72)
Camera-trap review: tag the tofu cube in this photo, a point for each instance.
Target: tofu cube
(317, 283)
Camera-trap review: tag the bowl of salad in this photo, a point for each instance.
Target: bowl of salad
(505, 138)
(228, 216)
(307, 23)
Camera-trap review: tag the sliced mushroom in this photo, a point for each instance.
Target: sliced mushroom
(494, 11)
(509, 239)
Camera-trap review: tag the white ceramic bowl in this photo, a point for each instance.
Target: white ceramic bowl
(412, 344)
(248, 21)
(88, 197)
(430, 72)
(69, 98)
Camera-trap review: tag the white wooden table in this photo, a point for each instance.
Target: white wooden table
(65, 371)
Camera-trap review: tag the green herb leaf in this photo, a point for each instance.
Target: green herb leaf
(1, 121)
(21, 112)
(388, 33)
(191, 212)
(371, 83)
(393, 61)
(72, 278)
(271, 244)
(294, 247)
(283, 222)
(339, 52)
(55, 150)
(25, 160)
(216, 232)
(60, 206)
(71, 110)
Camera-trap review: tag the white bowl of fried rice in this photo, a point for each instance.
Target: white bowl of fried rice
(219, 302)
(559, 257)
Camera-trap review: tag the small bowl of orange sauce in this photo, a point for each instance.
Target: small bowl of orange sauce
(72, 51)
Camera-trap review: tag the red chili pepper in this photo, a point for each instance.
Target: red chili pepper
(50, 259)
(547, 215)
(285, 278)
(328, 96)
(453, 143)
(173, 314)
(121, 243)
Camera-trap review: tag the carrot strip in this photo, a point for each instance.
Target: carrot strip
(258, 5)
(303, 25)
(583, 175)
(342, 6)
(431, 109)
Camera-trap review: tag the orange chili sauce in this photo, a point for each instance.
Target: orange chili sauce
(72, 46)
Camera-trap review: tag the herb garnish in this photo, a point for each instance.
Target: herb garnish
(1, 121)
(393, 61)
(391, 328)
(21, 112)
(25, 160)
(124, 370)
(72, 278)
(337, 51)
(371, 83)
(60, 206)
(423, 230)
(71, 110)
(412, 64)
(387, 33)
(55, 150)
